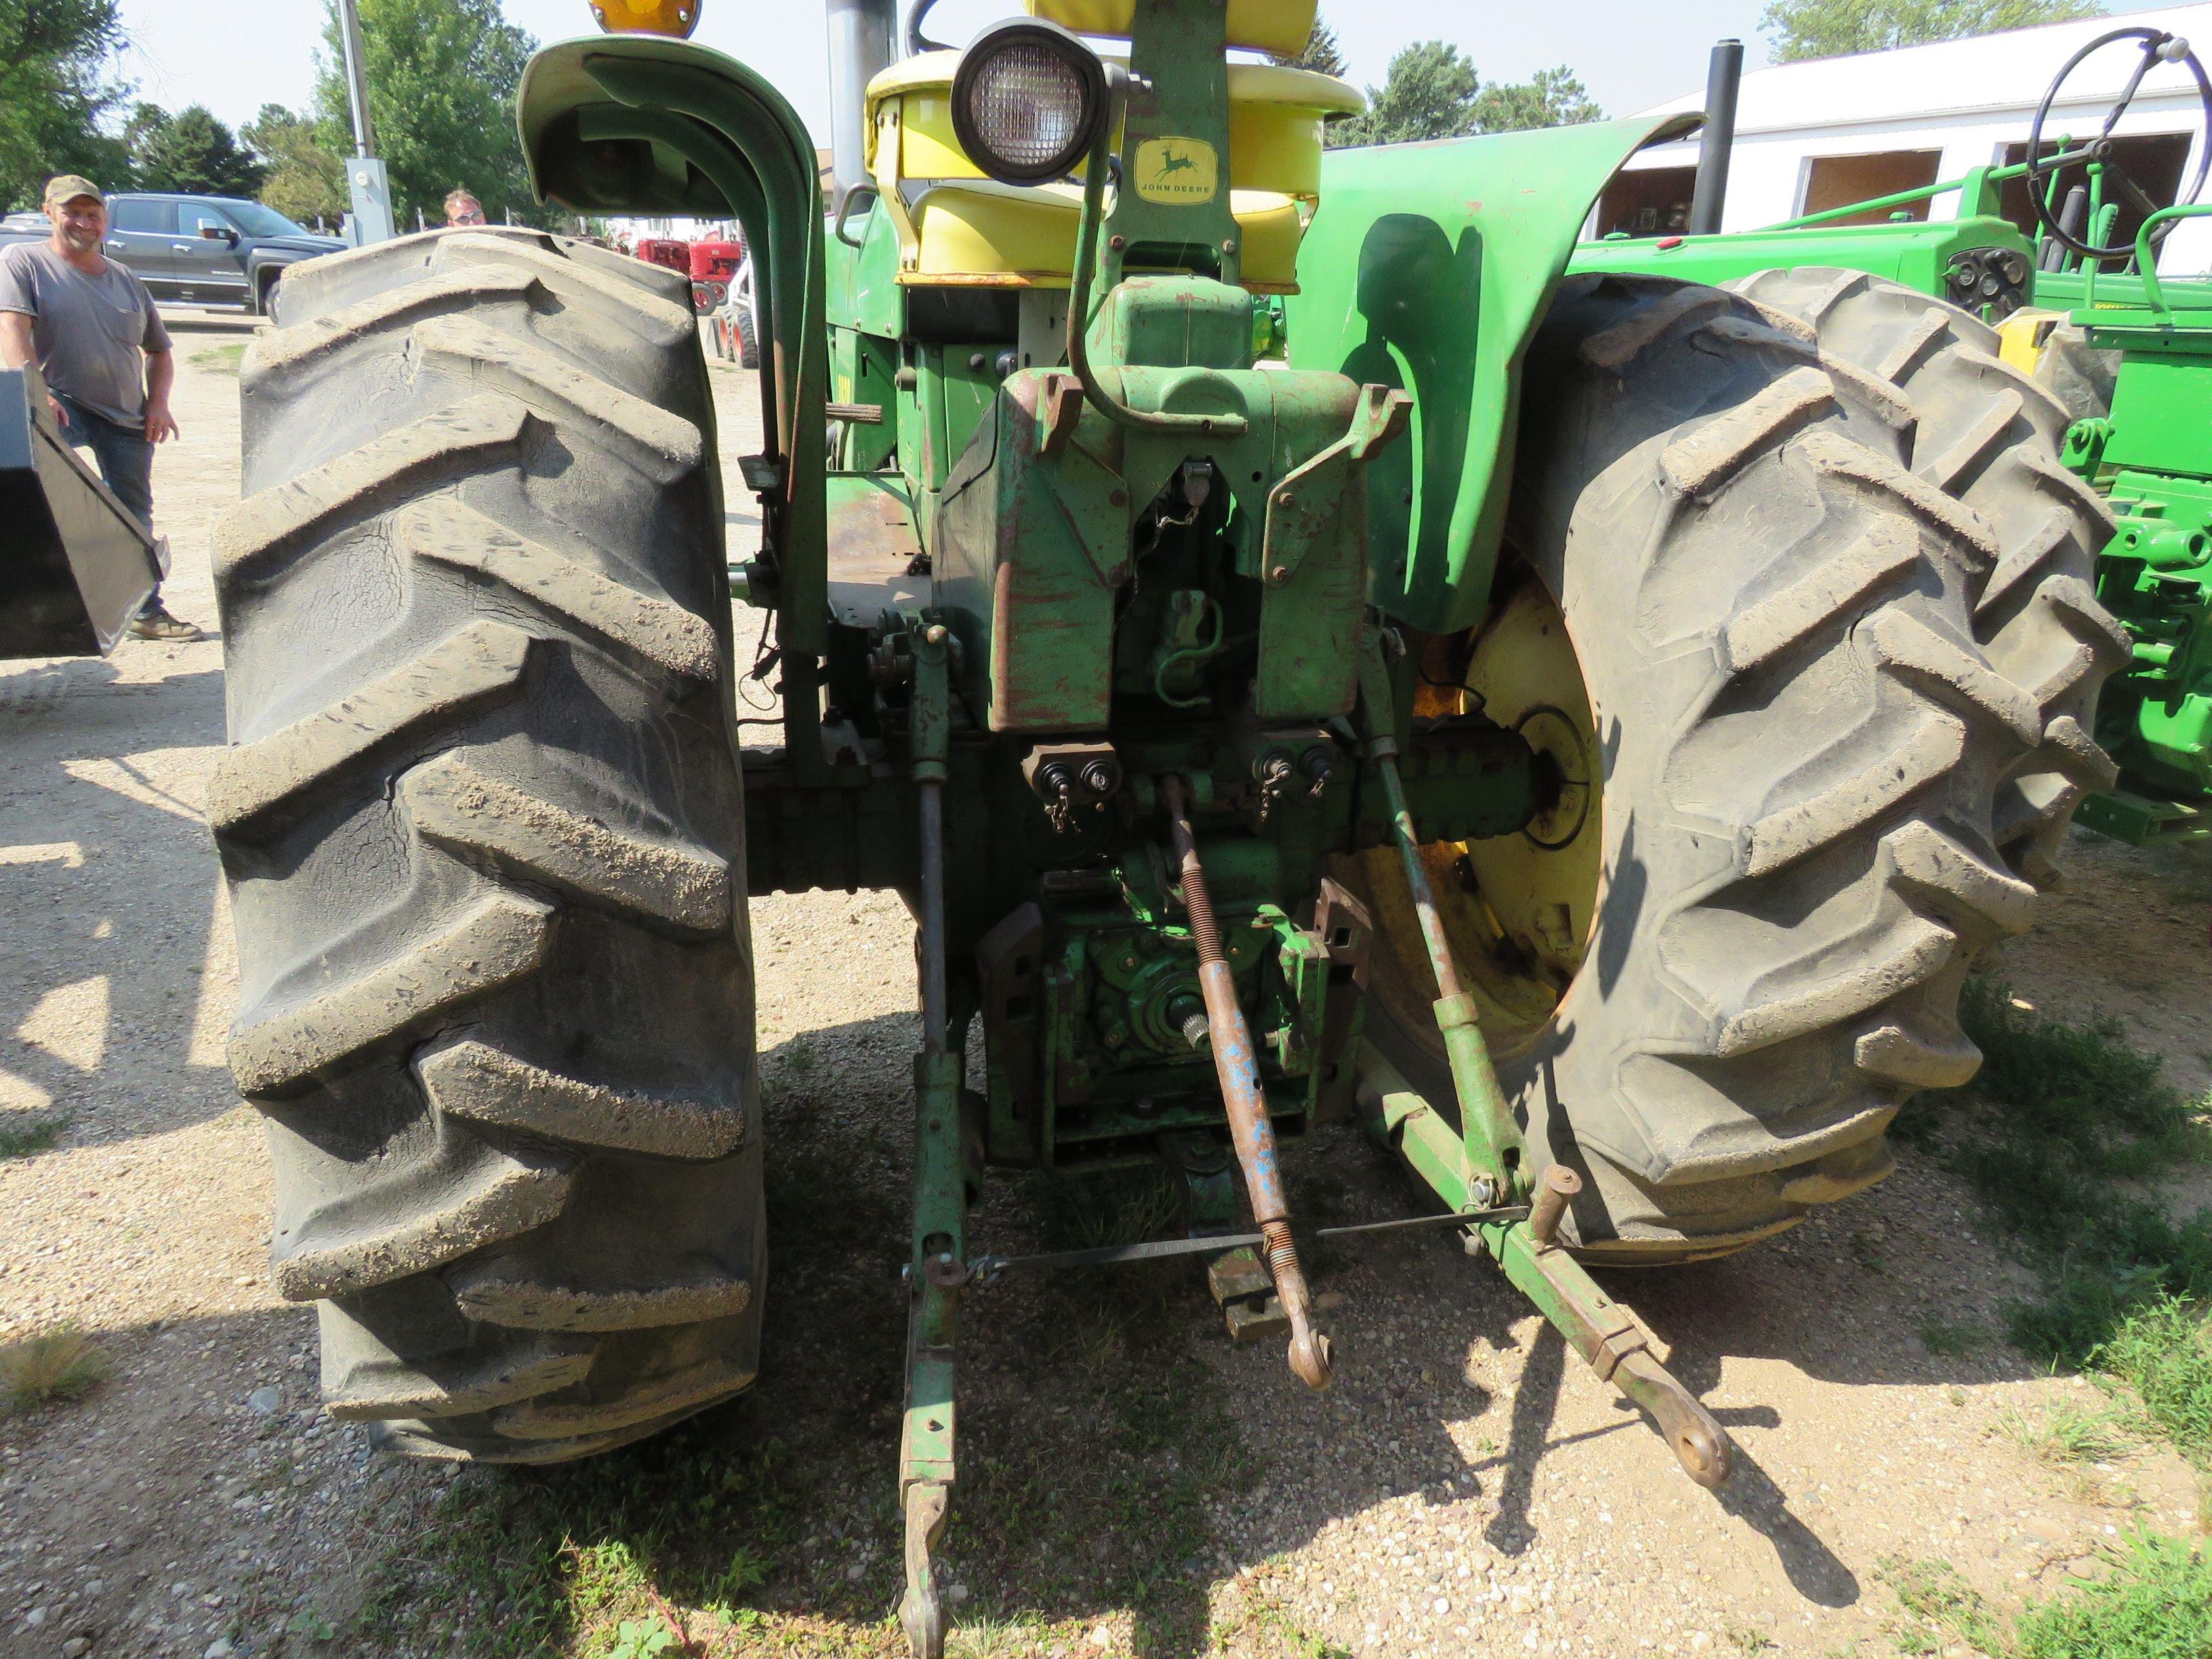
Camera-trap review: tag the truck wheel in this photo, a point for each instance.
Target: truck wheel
(1743, 631)
(1988, 435)
(480, 824)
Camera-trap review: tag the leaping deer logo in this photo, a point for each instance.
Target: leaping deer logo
(1172, 161)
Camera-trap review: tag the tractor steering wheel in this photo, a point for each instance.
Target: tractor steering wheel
(2158, 46)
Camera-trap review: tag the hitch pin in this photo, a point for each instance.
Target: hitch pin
(1310, 1356)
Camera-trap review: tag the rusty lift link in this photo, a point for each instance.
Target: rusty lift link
(1241, 1093)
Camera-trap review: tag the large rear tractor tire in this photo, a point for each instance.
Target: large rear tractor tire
(481, 822)
(1754, 643)
(1988, 435)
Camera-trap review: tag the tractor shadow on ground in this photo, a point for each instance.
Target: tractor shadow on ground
(108, 898)
(1117, 1453)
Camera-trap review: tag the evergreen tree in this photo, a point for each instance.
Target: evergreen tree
(1321, 52)
(190, 153)
(1832, 28)
(55, 91)
(1428, 93)
(1553, 98)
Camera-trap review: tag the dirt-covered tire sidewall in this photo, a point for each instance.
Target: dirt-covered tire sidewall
(1802, 742)
(481, 826)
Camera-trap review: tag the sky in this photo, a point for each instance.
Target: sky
(1631, 53)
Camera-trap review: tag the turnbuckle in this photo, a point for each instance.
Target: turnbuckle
(1236, 1065)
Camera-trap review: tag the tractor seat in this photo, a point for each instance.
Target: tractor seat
(996, 235)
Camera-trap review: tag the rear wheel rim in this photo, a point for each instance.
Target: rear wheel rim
(1518, 908)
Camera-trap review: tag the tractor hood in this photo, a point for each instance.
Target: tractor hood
(1428, 267)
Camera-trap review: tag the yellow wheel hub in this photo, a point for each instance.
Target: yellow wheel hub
(1518, 908)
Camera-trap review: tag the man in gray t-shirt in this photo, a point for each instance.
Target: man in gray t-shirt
(91, 327)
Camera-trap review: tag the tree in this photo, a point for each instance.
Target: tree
(55, 91)
(1432, 92)
(1553, 98)
(1321, 52)
(441, 77)
(305, 180)
(1428, 93)
(1832, 28)
(190, 152)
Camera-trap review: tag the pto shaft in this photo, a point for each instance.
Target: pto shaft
(1241, 1094)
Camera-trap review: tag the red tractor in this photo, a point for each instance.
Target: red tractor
(714, 270)
(665, 251)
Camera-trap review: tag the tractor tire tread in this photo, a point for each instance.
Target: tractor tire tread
(1988, 434)
(482, 824)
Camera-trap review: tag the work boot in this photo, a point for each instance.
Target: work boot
(154, 622)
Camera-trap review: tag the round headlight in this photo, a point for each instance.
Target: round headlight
(1027, 100)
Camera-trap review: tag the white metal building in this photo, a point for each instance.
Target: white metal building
(1816, 135)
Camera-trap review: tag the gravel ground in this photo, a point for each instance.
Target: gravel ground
(1467, 1486)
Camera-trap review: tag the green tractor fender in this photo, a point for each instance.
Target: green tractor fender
(638, 124)
(1427, 267)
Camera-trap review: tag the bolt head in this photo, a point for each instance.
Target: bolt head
(1280, 573)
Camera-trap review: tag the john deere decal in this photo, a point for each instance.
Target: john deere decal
(1176, 170)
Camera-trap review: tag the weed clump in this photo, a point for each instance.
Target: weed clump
(2060, 1123)
(27, 1139)
(55, 1365)
(2156, 1604)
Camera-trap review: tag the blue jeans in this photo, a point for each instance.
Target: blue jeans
(125, 459)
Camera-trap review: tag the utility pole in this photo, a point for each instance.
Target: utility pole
(366, 181)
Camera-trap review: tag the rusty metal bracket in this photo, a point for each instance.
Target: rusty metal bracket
(1612, 1344)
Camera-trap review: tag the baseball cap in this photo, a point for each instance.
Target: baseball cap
(68, 187)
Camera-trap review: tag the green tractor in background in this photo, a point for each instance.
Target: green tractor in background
(2086, 329)
(1304, 656)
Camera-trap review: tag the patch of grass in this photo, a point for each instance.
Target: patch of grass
(991, 1638)
(1932, 1592)
(2060, 1122)
(1748, 1640)
(2163, 1351)
(2068, 1433)
(56, 1365)
(220, 360)
(1119, 1206)
(2157, 1604)
(2054, 1132)
(1268, 1617)
(24, 1140)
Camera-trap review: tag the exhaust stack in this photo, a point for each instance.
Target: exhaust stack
(861, 34)
(1723, 77)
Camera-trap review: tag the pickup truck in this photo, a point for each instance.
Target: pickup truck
(196, 250)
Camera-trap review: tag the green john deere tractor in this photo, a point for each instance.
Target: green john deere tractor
(2091, 339)
(1303, 657)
